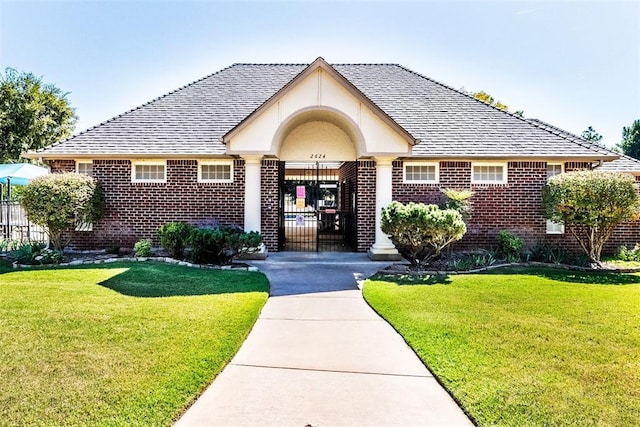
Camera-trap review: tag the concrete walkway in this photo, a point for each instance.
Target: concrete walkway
(320, 356)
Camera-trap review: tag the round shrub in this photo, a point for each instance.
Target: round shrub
(174, 237)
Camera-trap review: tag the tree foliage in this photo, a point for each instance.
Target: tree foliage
(458, 200)
(33, 114)
(630, 144)
(420, 232)
(61, 202)
(488, 99)
(591, 204)
(590, 134)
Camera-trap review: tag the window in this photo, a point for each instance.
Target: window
(489, 173)
(421, 172)
(552, 170)
(215, 171)
(147, 171)
(84, 167)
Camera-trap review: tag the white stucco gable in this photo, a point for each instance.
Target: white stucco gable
(319, 115)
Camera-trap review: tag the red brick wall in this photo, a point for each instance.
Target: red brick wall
(366, 204)
(135, 210)
(59, 166)
(515, 206)
(269, 203)
(348, 176)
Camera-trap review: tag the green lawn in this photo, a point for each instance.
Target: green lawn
(117, 344)
(528, 346)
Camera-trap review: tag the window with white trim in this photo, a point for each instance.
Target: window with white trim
(215, 171)
(421, 173)
(489, 173)
(149, 171)
(84, 167)
(554, 169)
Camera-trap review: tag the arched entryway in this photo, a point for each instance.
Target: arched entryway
(319, 116)
(318, 185)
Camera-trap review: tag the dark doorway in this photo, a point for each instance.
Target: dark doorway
(317, 209)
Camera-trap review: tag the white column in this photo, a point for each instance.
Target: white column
(252, 193)
(383, 248)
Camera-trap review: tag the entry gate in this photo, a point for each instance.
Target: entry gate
(313, 218)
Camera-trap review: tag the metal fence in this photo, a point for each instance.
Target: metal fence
(15, 226)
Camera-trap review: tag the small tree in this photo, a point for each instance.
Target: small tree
(60, 202)
(420, 232)
(591, 205)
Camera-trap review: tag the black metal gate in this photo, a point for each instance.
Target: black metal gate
(313, 214)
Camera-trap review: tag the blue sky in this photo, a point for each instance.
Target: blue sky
(570, 63)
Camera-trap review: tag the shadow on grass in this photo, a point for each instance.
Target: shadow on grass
(414, 279)
(572, 276)
(155, 280)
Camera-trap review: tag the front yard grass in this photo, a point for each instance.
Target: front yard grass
(525, 347)
(117, 344)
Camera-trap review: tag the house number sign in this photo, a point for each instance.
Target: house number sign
(317, 156)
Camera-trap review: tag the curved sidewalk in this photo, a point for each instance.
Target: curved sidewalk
(320, 356)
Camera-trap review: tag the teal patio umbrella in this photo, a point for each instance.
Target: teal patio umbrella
(20, 173)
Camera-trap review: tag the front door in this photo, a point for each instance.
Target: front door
(313, 217)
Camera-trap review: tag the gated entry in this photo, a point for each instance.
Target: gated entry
(314, 217)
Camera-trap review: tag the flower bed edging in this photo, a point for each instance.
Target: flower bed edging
(166, 260)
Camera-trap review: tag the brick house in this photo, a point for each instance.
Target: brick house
(309, 154)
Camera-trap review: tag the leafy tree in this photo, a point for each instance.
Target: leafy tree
(33, 114)
(591, 205)
(630, 144)
(590, 134)
(420, 232)
(488, 99)
(61, 202)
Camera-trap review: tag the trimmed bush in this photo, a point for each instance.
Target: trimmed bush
(591, 205)
(62, 201)
(509, 245)
(174, 237)
(420, 231)
(142, 248)
(220, 245)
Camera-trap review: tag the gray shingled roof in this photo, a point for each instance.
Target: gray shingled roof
(622, 164)
(447, 123)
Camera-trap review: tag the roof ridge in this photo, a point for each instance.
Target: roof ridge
(158, 98)
(559, 132)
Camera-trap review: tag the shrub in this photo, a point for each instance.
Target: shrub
(220, 245)
(471, 261)
(420, 231)
(547, 252)
(626, 254)
(60, 202)
(590, 205)
(37, 253)
(509, 245)
(174, 237)
(142, 248)
(458, 200)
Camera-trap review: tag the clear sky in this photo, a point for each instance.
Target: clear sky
(570, 63)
